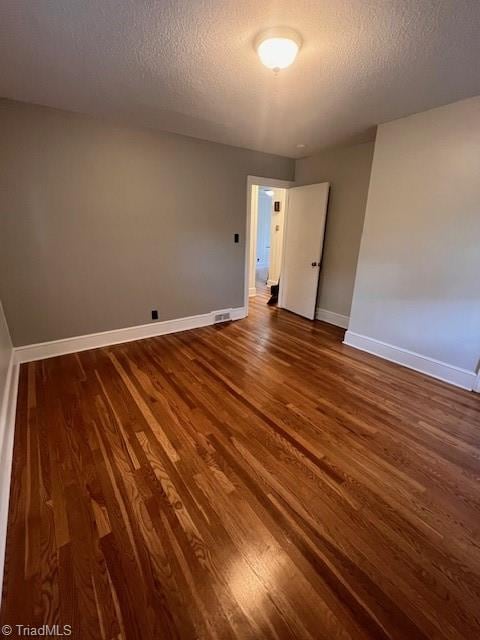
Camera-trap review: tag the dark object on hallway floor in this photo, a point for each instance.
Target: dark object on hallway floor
(274, 294)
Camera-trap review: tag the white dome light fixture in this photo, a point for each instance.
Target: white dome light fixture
(278, 48)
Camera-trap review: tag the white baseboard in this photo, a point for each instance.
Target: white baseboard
(429, 366)
(271, 283)
(252, 292)
(332, 318)
(7, 430)
(235, 314)
(43, 350)
(476, 386)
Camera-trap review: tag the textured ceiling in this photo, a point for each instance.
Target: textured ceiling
(190, 67)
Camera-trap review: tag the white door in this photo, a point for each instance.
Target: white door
(307, 211)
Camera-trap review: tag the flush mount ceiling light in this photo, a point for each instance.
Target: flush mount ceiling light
(278, 48)
(269, 192)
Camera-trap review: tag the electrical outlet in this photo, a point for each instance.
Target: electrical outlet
(154, 314)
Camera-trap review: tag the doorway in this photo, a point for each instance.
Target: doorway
(284, 233)
(267, 237)
(264, 234)
(264, 238)
(270, 262)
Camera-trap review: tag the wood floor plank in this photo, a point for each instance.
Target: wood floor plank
(256, 479)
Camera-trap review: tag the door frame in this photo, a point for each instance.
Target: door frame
(259, 182)
(476, 384)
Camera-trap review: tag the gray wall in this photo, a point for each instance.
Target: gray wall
(99, 224)
(418, 276)
(348, 171)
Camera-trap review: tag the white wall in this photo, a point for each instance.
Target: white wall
(418, 277)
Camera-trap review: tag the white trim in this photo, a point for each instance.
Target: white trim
(43, 350)
(238, 313)
(332, 318)
(476, 386)
(280, 304)
(252, 272)
(259, 182)
(7, 431)
(429, 366)
(252, 291)
(271, 283)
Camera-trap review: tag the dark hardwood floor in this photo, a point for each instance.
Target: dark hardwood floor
(250, 480)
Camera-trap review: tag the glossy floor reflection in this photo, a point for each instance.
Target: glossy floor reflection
(256, 479)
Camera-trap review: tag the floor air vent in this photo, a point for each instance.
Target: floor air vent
(222, 317)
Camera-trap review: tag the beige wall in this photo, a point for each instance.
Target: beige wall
(100, 224)
(348, 171)
(418, 276)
